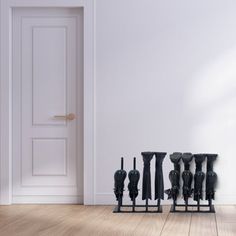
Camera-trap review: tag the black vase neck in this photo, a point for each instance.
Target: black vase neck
(147, 157)
(210, 159)
(199, 159)
(160, 157)
(175, 158)
(187, 158)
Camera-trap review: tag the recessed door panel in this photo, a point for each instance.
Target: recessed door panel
(51, 151)
(49, 45)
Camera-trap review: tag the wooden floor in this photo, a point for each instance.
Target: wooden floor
(68, 220)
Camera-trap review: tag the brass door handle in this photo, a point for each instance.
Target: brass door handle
(70, 116)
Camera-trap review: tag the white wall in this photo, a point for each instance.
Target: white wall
(166, 81)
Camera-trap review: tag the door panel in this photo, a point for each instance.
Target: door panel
(47, 86)
(50, 151)
(49, 69)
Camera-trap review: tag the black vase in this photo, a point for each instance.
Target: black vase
(146, 193)
(119, 178)
(159, 183)
(211, 177)
(134, 176)
(198, 176)
(174, 176)
(187, 176)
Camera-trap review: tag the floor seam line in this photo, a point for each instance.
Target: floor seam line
(217, 232)
(164, 223)
(190, 224)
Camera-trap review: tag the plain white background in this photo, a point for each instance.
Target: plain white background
(165, 81)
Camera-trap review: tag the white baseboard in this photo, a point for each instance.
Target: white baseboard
(109, 199)
(36, 199)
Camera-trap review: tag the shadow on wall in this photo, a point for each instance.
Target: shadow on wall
(212, 102)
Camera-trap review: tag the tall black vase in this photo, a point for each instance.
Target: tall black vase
(146, 193)
(159, 183)
(198, 176)
(211, 177)
(187, 176)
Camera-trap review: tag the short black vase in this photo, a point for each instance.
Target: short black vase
(134, 177)
(119, 178)
(174, 176)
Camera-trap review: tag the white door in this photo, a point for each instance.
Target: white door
(47, 105)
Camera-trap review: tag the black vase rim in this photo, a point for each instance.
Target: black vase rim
(187, 157)
(211, 157)
(147, 153)
(175, 157)
(199, 157)
(187, 153)
(160, 153)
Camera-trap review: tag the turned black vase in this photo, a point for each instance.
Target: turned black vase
(134, 176)
(159, 183)
(119, 178)
(211, 177)
(187, 176)
(174, 176)
(198, 176)
(146, 193)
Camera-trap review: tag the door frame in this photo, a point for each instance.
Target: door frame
(6, 39)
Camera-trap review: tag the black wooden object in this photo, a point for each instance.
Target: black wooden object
(134, 176)
(211, 178)
(198, 177)
(119, 178)
(147, 192)
(187, 177)
(174, 177)
(198, 181)
(159, 182)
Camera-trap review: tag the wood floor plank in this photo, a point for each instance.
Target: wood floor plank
(177, 224)
(39, 218)
(10, 214)
(119, 224)
(75, 223)
(203, 224)
(152, 224)
(71, 220)
(226, 220)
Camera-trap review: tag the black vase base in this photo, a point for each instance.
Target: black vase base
(192, 208)
(136, 209)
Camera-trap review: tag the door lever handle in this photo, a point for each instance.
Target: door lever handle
(70, 116)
